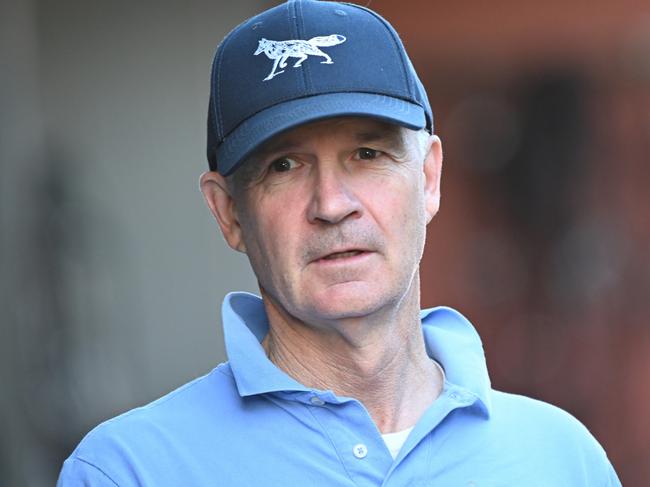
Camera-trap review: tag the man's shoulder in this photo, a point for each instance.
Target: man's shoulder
(549, 433)
(533, 416)
(154, 431)
(525, 411)
(181, 408)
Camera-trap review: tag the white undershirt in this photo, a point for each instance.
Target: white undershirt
(394, 441)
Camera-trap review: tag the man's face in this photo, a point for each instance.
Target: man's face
(332, 216)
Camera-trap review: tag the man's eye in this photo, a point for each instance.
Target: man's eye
(283, 164)
(366, 153)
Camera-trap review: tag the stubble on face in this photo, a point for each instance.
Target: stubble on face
(279, 278)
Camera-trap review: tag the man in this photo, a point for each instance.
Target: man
(325, 172)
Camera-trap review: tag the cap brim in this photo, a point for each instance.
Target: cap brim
(261, 127)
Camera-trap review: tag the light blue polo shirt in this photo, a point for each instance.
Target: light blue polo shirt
(247, 423)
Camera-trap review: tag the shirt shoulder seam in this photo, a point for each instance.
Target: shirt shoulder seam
(90, 464)
(220, 369)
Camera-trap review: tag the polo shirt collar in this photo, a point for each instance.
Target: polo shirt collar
(245, 325)
(450, 339)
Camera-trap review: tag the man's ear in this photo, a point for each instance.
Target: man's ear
(432, 172)
(217, 196)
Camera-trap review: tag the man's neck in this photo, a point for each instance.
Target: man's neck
(383, 364)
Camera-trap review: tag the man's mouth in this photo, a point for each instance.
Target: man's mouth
(342, 255)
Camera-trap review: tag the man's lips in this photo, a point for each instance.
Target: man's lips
(341, 254)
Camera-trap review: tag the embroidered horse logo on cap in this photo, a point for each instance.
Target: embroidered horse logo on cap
(281, 51)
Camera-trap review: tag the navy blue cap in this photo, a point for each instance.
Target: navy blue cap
(304, 61)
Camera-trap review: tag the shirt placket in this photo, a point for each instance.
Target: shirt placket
(413, 466)
(354, 436)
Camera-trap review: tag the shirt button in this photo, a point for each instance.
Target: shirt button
(316, 401)
(360, 450)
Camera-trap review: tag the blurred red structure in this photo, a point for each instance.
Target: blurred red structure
(543, 233)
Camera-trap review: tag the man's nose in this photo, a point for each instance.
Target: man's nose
(333, 197)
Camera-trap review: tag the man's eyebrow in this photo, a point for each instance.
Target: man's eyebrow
(391, 135)
(252, 165)
(274, 147)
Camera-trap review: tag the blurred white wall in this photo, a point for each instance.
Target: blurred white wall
(112, 269)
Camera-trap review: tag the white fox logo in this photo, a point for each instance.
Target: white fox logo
(280, 51)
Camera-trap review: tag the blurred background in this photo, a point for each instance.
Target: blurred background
(112, 271)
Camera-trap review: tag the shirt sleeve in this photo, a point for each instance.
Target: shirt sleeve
(613, 480)
(79, 473)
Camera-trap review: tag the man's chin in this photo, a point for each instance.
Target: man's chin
(347, 302)
(326, 304)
